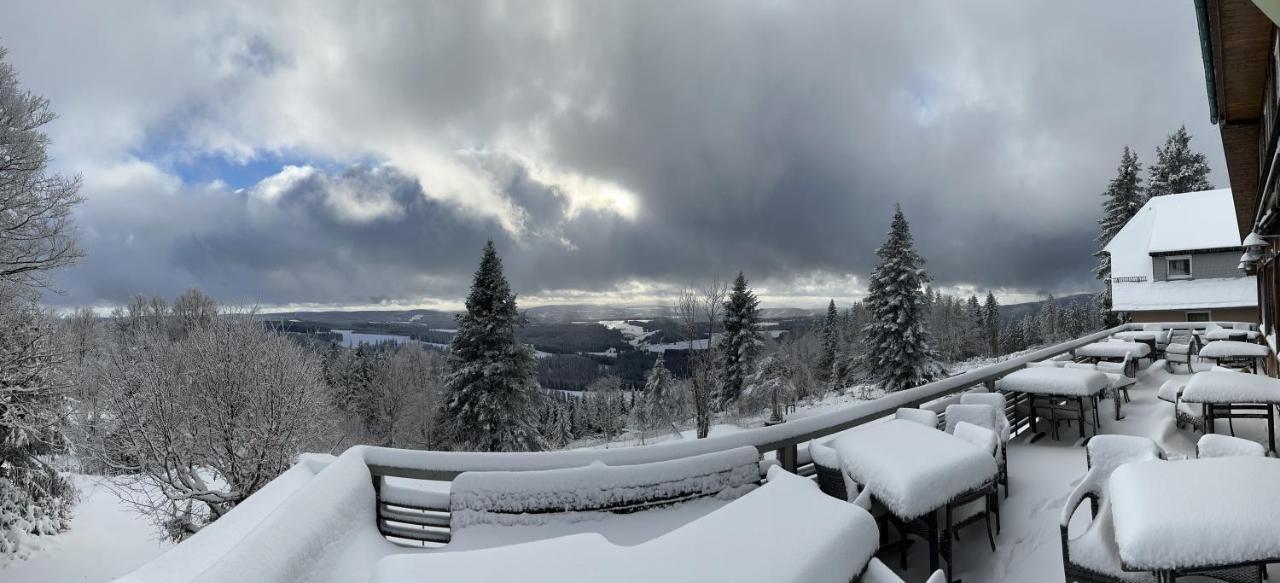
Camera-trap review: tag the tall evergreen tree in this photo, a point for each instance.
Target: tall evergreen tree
(1177, 168)
(991, 323)
(660, 404)
(830, 341)
(491, 393)
(898, 351)
(1122, 199)
(1049, 320)
(739, 344)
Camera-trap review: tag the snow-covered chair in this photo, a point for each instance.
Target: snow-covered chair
(962, 511)
(1093, 556)
(1214, 445)
(1003, 428)
(1183, 346)
(835, 481)
(922, 416)
(878, 572)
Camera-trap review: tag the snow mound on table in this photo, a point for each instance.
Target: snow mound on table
(1226, 512)
(1231, 387)
(1114, 349)
(534, 497)
(1054, 381)
(786, 531)
(1232, 348)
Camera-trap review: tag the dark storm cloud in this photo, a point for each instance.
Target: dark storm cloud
(773, 137)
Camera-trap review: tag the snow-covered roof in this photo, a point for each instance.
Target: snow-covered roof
(1184, 294)
(1181, 222)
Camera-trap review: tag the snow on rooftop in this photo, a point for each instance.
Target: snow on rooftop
(1181, 294)
(1176, 222)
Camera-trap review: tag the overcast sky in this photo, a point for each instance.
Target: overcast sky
(356, 154)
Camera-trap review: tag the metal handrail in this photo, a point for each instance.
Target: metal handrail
(782, 438)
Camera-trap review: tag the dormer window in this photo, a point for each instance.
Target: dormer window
(1179, 267)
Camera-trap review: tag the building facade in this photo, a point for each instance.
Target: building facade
(1178, 259)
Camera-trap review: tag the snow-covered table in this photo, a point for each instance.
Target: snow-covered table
(1234, 350)
(1226, 513)
(1149, 337)
(914, 470)
(1230, 334)
(1059, 384)
(1114, 350)
(1234, 395)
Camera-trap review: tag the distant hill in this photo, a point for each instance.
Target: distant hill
(1013, 312)
(351, 319)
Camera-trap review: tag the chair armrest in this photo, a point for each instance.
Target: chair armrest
(1083, 491)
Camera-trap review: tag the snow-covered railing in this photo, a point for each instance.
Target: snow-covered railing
(784, 439)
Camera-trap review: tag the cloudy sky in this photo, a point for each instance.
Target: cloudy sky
(354, 154)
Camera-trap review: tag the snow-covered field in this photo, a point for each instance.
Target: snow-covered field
(106, 541)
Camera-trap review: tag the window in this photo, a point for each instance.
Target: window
(1179, 267)
(1198, 316)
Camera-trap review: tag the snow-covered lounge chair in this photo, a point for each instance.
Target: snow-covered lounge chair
(1003, 428)
(1093, 556)
(878, 572)
(1214, 445)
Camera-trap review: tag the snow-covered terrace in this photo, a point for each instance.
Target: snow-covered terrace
(300, 527)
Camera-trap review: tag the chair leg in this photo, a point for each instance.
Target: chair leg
(987, 519)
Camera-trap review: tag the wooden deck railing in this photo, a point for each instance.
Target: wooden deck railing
(781, 441)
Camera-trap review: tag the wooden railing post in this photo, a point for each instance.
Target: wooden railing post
(786, 457)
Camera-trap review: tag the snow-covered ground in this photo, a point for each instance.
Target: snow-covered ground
(106, 541)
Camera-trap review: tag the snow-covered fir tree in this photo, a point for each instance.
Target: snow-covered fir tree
(991, 324)
(1049, 320)
(491, 400)
(1177, 168)
(773, 384)
(660, 404)
(898, 351)
(1122, 199)
(739, 342)
(830, 341)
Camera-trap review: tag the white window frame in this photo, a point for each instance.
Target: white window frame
(1168, 273)
(1208, 315)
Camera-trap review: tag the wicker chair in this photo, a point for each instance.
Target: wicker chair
(1002, 427)
(1104, 454)
(1183, 346)
(986, 440)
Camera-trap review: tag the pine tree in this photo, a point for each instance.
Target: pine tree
(739, 344)
(1177, 168)
(491, 393)
(1049, 320)
(830, 341)
(898, 351)
(772, 383)
(1123, 198)
(991, 323)
(660, 404)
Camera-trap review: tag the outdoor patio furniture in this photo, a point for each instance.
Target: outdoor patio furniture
(922, 416)
(1120, 375)
(1183, 413)
(1235, 352)
(1055, 390)
(914, 471)
(1151, 338)
(1224, 525)
(1113, 350)
(1183, 347)
(1003, 428)
(986, 440)
(1093, 556)
(878, 572)
(1234, 395)
(1213, 445)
